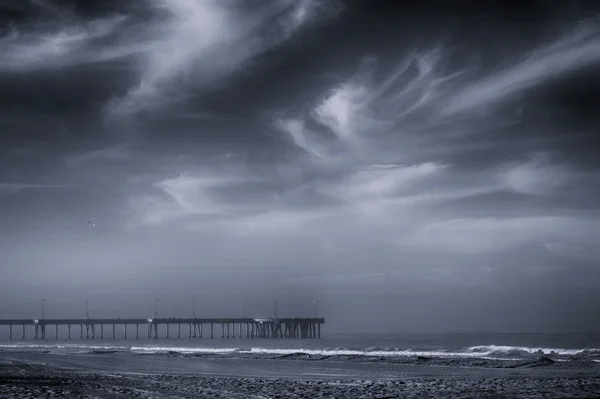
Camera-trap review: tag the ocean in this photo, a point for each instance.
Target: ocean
(458, 348)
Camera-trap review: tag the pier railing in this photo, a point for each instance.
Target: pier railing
(251, 328)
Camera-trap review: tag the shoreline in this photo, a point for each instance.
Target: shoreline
(35, 375)
(69, 384)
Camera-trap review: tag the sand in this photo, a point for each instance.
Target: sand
(31, 384)
(38, 376)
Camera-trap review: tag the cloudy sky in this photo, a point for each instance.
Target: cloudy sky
(421, 166)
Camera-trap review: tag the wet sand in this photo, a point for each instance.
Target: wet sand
(35, 375)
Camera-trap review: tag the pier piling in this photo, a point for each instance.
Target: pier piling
(288, 328)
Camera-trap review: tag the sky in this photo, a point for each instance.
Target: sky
(413, 166)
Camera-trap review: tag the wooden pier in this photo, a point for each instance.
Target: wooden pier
(250, 328)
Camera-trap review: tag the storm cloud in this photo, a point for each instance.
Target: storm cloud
(358, 153)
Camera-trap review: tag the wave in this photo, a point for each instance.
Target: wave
(64, 348)
(489, 351)
(311, 352)
(497, 352)
(503, 349)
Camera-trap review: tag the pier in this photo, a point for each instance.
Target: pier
(224, 328)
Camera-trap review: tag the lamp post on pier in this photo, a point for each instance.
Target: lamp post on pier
(86, 308)
(275, 308)
(156, 309)
(244, 309)
(194, 308)
(316, 312)
(43, 300)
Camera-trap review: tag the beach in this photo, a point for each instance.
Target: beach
(29, 374)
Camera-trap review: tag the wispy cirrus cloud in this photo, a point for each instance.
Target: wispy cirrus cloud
(181, 196)
(301, 137)
(61, 45)
(201, 42)
(422, 99)
(578, 49)
(422, 95)
(537, 176)
(357, 149)
(182, 47)
(344, 113)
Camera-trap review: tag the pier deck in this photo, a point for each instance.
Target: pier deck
(274, 328)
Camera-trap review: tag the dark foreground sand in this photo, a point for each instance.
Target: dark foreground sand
(72, 385)
(65, 377)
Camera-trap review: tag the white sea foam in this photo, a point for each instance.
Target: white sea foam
(491, 349)
(312, 352)
(497, 352)
(162, 349)
(481, 352)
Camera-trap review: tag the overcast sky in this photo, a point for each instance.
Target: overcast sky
(424, 167)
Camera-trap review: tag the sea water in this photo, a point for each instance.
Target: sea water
(369, 347)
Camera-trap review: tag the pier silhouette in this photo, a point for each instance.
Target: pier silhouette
(250, 328)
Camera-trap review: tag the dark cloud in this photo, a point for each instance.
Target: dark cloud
(417, 156)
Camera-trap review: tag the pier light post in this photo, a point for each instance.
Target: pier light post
(316, 303)
(194, 308)
(156, 309)
(275, 308)
(86, 309)
(43, 300)
(244, 309)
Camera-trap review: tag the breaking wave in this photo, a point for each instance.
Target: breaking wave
(502, 349)
(471, 352)
(489, 352)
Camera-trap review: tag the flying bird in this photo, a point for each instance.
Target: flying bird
(93, 224)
